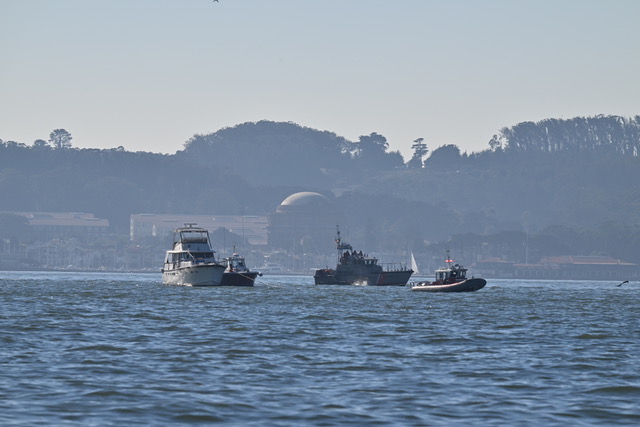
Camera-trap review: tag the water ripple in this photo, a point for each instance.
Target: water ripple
(123, 350)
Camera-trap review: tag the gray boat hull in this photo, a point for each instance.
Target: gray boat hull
(384, 278)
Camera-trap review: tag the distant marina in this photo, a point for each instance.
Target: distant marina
(79, 252)
(291, 240)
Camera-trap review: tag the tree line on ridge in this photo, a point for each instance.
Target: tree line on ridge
(579, 174)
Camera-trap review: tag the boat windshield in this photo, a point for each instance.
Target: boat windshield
(193, 237)
(188, 256)
(458, 272)
(203, 255)
(455, 272)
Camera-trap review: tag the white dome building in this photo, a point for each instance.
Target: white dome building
(304, 221)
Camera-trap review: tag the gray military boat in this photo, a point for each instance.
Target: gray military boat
(356, 268)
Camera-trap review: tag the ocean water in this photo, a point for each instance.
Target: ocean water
(84, 349)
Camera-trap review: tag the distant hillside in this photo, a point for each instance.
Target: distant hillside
(271, 153)
(581, 174)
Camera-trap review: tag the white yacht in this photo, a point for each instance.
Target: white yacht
(191, 261)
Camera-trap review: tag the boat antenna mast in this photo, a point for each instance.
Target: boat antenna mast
(339, 245)
(448, 261)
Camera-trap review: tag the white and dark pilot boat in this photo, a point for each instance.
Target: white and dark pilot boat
(237, 273)
(191, 261)
(452, 278)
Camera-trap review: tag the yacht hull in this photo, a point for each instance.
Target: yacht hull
(199, 275)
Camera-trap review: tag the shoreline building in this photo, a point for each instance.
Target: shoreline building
(65, 225)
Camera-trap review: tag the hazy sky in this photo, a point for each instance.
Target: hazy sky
(149, 74)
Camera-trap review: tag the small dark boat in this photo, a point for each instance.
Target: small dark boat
(452, 278)
(237, 273)
(356, 268)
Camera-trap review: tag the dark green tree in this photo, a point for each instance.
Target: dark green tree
(41, 144)
(60, 139)
(419, 151)
(445, 157)
(371, 153)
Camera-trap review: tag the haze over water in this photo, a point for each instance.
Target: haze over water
(123, 349)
